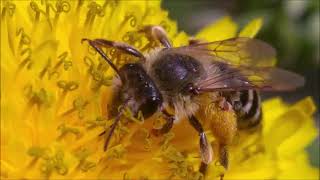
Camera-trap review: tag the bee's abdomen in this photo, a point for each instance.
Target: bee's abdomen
(248, 109)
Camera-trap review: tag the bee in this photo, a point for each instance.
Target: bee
(220, 76)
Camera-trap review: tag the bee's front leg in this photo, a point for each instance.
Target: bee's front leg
(157, 33)
(205, 146)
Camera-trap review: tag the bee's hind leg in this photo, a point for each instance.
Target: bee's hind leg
(166, 127)
(205, 146)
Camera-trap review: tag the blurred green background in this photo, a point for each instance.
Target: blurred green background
(291, 26)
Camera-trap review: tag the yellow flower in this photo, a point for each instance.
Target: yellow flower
(54, 92)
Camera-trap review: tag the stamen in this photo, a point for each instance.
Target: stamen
(99, 121)
(78, 104)
(94, 10)
(25, 39)
(99, 77)
(131, 18)
(147, 139)
(65, 130)
(128, 114)
(45, 69)
(88, 62)
(167, 138)
(177, 163)
(68, 85)
(34, 6)
(55, 162)
(84, 164)
(133, 38)
(36, 151)
(87, 165)
(39, 98)
(117, 152)
(8, 7)
(61, 6)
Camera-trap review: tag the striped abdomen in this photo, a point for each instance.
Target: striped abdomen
(247, 106)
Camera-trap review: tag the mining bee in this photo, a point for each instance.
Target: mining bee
(226, 75)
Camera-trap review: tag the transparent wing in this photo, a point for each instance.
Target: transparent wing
(236, 51)
(224, 77)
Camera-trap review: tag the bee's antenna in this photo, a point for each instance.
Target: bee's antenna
(97, 47)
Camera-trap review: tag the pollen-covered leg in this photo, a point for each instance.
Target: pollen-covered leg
(205, 146)
(167, 127)
(126, 48)
(157, 33)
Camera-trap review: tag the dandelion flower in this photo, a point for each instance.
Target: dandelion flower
(54, 92)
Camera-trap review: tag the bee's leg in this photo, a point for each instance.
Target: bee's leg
(126, 48)
(205, 146)
(102, 133)
(192, 41)
(113, 126)
(167, 127)
(223, 156)
(157, 33)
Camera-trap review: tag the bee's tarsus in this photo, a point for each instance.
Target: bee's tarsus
(102, 133)
(203, 168)
(223, 156)
(221, 176)
(205, 146)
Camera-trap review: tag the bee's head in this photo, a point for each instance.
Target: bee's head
(139, 90)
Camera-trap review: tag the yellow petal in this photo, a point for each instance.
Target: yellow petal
(252, 28)
(291, 131)
(301, 138)
(284, 127)
(272, 109)
(306, 133)
(223, 28)
(297, 167)
(306, 105)
(180, 39)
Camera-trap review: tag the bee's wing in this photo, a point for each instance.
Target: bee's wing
(241, 63)
(236, 51)
(224, 77)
